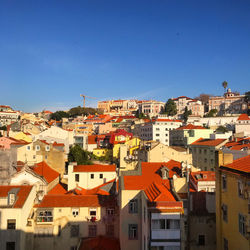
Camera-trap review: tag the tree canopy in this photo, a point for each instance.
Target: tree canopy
(204, 98)
(58, 115)
(225, 84)
(77, 154)
(186, 114)
(170, 108)
(211, 113)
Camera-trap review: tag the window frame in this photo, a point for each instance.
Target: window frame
(74, 230)
(133, 231)
(133, 206)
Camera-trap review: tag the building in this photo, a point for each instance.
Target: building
(242, 125)
(157, 152)
(185, 135)
(90, 176)
(196, 107)
(230, 103)
(232, 204)
(150, 213)
(151, 108)
(183, 101)
(16, 203)
(204, 153)
(158, 130)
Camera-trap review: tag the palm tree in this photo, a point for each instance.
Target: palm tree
(224, 84)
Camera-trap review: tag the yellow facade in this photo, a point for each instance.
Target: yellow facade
(100, 152)
(229, 202)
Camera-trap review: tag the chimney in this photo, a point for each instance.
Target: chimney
(71, 167)
(224, 159)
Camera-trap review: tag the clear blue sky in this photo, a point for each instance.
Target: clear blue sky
(52, 51)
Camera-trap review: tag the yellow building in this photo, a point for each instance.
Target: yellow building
(232, 204)
(100, 152)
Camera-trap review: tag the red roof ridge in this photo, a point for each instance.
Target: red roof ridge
(243, 117)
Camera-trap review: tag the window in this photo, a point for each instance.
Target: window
(11, 224)
(225, 244)
(110, 230)
(10, 245)
(92, 176)
(166, 134)
(12, 198)
(133, 206)
(224, 212)
(157, 128)
(34, 157)
(77, 177)
(44, 216)
(205, 151)
(74, 231)
(201, 240)
(92, 212)
(37, 147)
(132, 231)
(92, 230)
(240, 189)
(28, 147)
(47, 148)
(75, 212)
(101, 176)
(165, 224)
(205, 160)
(242, 224)
(157, 134)
(110, 211)
(224, 182)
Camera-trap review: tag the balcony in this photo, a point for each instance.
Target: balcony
(166, 234)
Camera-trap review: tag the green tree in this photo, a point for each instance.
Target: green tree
(77, 154)
(170, 108)
(211, 113)
(77, 111)
(58, 115)
(3, 128)
(186, 114)
(225, 84)
(221, 129)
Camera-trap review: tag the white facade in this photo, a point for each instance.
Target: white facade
(8, 117)
(151, 108)
(90, 179)
(158, 130)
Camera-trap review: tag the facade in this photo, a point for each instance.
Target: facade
(182, 102)
(158, 130)
(90, 176)
(196, 107)
(16, 203)
(232, 204)
(188, 134)
(204, 153)
(150, 215)
(242, 125)
(151, 108)
(230, 103)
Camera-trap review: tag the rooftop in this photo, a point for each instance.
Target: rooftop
(208, 142)
(243, 117)
(190, 126)
(95, 168)
(241, 164)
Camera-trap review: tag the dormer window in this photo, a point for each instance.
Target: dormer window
(12, 198)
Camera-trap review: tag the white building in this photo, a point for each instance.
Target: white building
(89, 176)
(158, 130)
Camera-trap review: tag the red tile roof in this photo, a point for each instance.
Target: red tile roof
(55, 144)
(75, 201)
(181, 97)
(190, 126)
(243, 117)
(241, 164)
(203, 176)
(95, 168)
(58, 189)
(92, 139)
(43, 169)
(22, 194)
(208, 142)
(167, 120)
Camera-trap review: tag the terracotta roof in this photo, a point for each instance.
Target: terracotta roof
(190, 126)
(92, 139)
(75, 201)
(58, 189)
(208, 142)
(95, 168)
(100, 242)
(43, 169)
(241, 164)
(55, 144)
(181, 97)
(203, 176)
(243, 117)
(22, 194)
(167, 120)
(238, 144)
